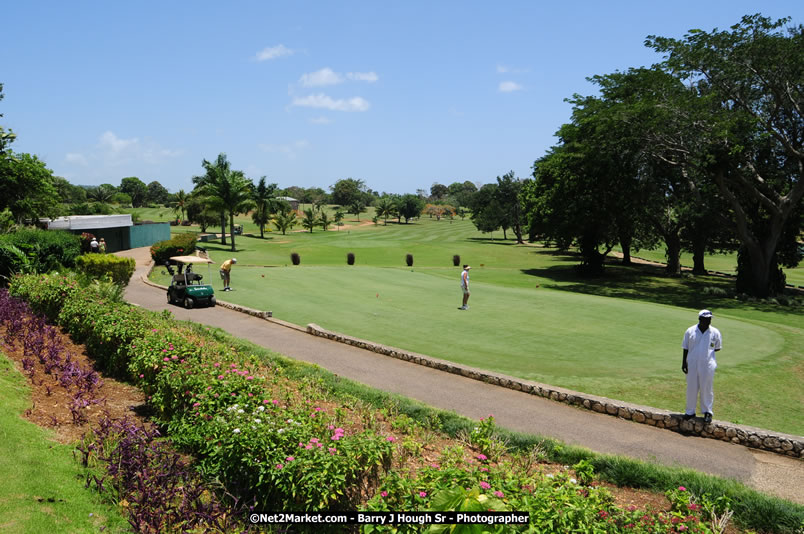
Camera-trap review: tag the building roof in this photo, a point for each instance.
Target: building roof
(90, 222)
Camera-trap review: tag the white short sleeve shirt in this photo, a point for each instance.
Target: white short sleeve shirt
(701, 345)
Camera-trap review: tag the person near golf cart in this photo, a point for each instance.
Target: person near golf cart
(226, 273)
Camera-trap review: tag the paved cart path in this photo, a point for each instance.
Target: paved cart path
(768, 472)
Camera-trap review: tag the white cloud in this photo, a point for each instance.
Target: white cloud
(273, 52)
(508, 87)
(291, 150)
(78, 159)
(326, 102)
(320, 120)
(325, 76)
(370, 77)
(109, 142)
(113, 151)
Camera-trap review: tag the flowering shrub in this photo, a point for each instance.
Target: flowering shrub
(215, 406)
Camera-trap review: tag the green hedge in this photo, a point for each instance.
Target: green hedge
(178, 245)
(101, 266)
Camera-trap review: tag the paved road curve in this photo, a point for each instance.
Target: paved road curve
(517, 411)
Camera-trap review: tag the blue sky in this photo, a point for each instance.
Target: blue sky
(397, 94)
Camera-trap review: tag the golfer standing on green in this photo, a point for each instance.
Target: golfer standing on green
(701, 342)
(465, 287)
(226, 272)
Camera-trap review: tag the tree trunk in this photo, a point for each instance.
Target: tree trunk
(223, 227)
(698, 253)
(231, 226)
(673, 242)
(625, 244)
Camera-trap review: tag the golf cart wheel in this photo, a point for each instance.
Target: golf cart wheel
(212, 302)
(188, 303)
(170, 298)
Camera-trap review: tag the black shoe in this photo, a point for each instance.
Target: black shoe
(707, 418)
(687, 416)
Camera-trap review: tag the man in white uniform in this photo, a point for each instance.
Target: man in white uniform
(701, 342)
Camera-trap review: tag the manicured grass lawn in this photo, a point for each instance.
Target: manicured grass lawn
(619, 336)
(42, 489)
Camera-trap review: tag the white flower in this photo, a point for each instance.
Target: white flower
(280, 430)
(289, 421)
(573, 481)
(549, 476)
(258, 420)
(236, 430)
(261, 408)
(240, 410)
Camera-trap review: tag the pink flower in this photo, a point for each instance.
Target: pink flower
(251, 394)
(276, 402)
(195, 404)
(218, 365)
(308, 447)
(249, 378)
(220, 377)
(279, 466)
(391, 439)
(384, 494)
(332, 450)
(682, 488)
(499, 494)
(485, 485)
(481, 457)
(142, 376)
(422, 494)
(290, 458)
(434, 465)
(166, 359)
(265, 401)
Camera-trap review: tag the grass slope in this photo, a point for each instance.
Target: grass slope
(43, 486)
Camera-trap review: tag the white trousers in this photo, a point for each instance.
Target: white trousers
(700, 380)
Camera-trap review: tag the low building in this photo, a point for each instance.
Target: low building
(294, 204)
(119, 231)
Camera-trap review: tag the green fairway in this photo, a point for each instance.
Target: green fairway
(43, 487)
(529, 316)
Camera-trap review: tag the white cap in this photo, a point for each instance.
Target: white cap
(704, 313)
(234, 260)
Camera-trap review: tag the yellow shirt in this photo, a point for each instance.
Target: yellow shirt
(226, 266)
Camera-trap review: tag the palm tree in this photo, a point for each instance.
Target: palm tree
(310, 220)
(356, 208)
(285, 220)
(339, 215)
(264, 204)
(324, 220)
(215, 174)
(385, 208)
(103, 194)
(180, 201)
(231, 189)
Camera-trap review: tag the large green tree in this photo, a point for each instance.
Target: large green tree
(157, 193)
(6, 137)
(347, 191)
(26, 187)
(409, 206)
(752, 77)
(136, 189)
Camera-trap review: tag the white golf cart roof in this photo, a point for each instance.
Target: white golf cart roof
(190, 259)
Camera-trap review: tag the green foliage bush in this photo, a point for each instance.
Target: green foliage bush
(47, 250)
(107, 266)
(179, 245)
(12, 261)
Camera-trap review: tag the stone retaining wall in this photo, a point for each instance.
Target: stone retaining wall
(744, 435)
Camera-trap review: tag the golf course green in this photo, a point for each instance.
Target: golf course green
(530, 316)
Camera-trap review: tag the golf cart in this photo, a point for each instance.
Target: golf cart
(238, 229)
(186, 287)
